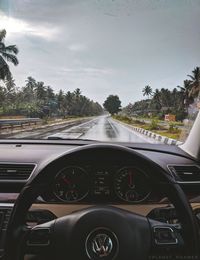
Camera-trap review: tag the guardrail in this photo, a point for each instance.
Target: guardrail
(11, 123)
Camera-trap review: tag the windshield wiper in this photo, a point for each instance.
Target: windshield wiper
(70, 139)
(57, 138)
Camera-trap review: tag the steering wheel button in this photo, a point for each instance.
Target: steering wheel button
(39, 237)
(165, 236)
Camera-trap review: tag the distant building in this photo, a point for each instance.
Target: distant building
(170, 117)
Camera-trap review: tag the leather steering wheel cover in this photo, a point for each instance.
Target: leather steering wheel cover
(38, 183)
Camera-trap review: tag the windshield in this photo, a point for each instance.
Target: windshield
(107, 70)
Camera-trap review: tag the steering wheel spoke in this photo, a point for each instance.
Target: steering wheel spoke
(38, 239)
(167, 239)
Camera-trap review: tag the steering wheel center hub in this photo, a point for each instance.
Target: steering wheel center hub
(102, 243)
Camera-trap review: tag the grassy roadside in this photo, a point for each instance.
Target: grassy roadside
(50, 121)
(170, 130)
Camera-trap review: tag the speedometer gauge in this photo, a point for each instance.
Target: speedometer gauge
(71, 184)
(131, 185)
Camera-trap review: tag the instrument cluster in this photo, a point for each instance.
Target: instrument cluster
(101, 184)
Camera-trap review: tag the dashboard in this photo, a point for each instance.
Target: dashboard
(95, 178)
(92, 179)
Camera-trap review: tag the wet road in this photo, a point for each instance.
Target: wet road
(103, 128)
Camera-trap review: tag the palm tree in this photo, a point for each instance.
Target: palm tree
(156, 99)
(31, 83)
(147, 91)
(40, 91)
(185, 90)
(195, 83)
(77, 92)
(10, 85)
(69, 102)
(28, 91)
(7, 54)
(2, 94)
(61, 102)
(50, 94)
(10, 89)
(186, 86)
(165, 98)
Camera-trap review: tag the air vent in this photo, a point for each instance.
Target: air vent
(185, 173)
(15, 171)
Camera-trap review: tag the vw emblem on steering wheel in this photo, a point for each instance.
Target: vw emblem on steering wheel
(101, 243)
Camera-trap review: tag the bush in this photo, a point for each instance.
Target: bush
(154, 124)
(45, 120)
(180, 115)
(123, 118)
(138, 122)
(173, 128)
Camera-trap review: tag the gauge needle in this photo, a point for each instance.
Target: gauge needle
(66, 181)
(130, 180)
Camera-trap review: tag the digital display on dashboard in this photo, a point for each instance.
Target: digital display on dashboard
(101, 183)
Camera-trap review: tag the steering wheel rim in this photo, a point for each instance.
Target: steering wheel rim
(16, 229)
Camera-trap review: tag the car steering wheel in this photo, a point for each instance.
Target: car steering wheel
(102, 232)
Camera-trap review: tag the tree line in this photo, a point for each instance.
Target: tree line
(35, 99)
(163, 101)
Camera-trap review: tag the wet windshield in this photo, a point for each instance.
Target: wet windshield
(108, 70)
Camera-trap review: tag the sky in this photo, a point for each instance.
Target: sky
(104, 47)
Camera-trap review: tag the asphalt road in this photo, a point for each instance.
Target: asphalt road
(103, 128)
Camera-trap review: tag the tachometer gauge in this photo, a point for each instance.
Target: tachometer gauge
(131, 185)
(71, 184)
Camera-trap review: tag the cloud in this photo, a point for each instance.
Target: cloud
(14, 25)
(106, 46)
(89, 71)
(77, 47)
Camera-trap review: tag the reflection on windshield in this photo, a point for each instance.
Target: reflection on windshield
(101, 70)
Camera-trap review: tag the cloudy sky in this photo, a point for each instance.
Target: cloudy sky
(104, 46)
